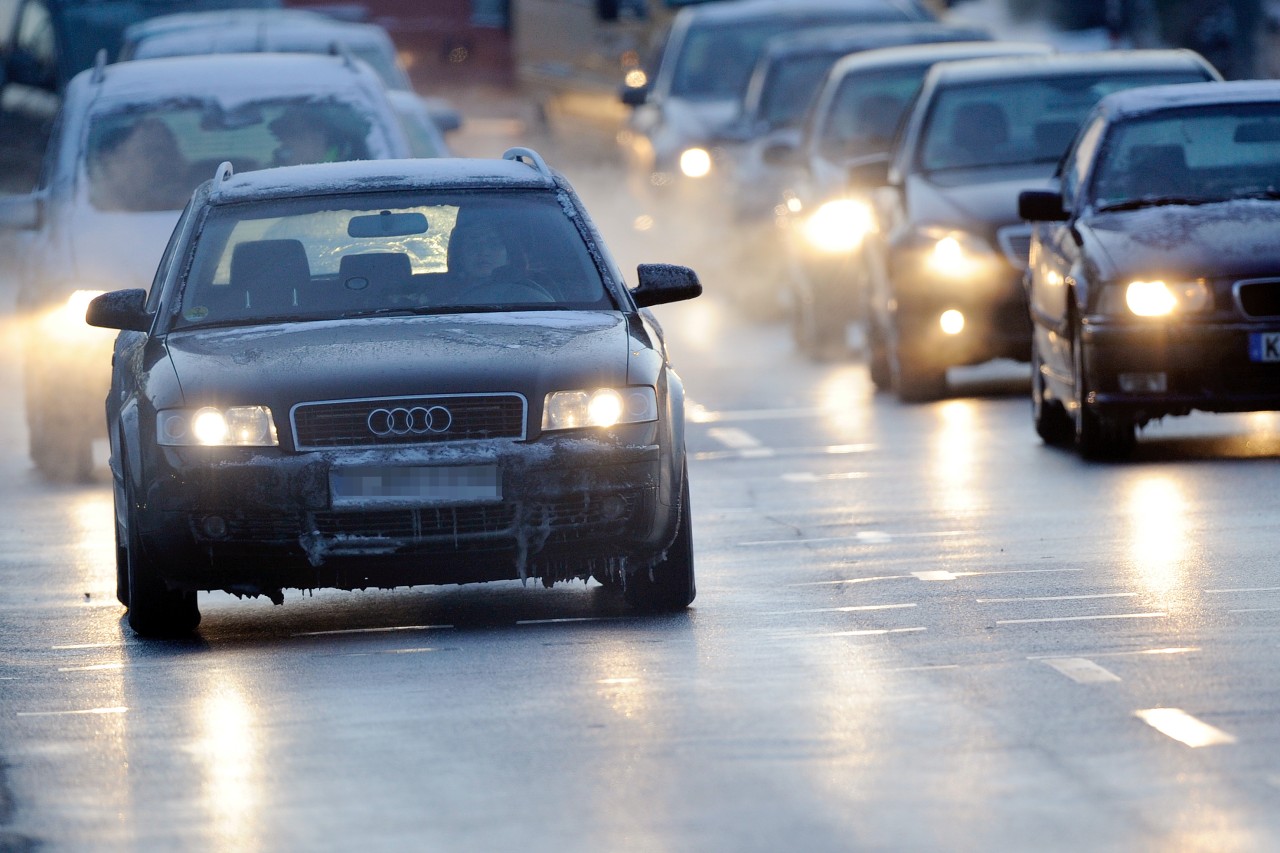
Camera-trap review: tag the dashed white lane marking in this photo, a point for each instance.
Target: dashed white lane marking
(98, 667)
(857, 608)
(870, 632)
(934, 575)
(914, 574)
(563, 620)
(1056, 598)
(1184, 728)
(1183, 650)
(1157, 615)
(1255, 610)
(373, 630)
(751, 453)
(1081, 670)
(700, 414)
(810, 477)
(1244, 589)
(741, 442)
(853, 580)
(72, 713)
(866, 536)
(926, 668)
(87, 646)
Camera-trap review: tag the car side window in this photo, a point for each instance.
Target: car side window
(1076, 168)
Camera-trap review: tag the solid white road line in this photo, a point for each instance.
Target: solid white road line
(1081, 618)
(1055, 598)
(72, 713)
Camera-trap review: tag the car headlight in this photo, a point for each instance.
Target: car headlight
(603, 407)
(1159, 298)
(695, 162)
(65, 322)
(238, 426)
(839, 226)
(951, 253)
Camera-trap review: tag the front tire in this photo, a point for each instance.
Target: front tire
(154, 609)
(1098, 436)
(668, 585)
(1052, 423)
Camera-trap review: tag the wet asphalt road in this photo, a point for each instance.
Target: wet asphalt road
(916, 629)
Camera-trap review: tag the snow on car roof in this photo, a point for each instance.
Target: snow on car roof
(1152, 98)
(251, 36)
(915, 54)
(163, 24)
(1102, 61)
(745, 10)
(379, 176)
(859, 37)
(244, 76)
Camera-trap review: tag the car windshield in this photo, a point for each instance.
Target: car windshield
(1202, 154)
(151, 157)
(716, 60)
(790, 85)
(866, 110)
(1023, 121)
(331, 257)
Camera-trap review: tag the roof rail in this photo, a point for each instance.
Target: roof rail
(221, 175)
(339, 48)
(530, 157)
(99, 66)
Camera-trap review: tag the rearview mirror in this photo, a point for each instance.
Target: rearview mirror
(387, 224)
(662, 283)
(120, 309)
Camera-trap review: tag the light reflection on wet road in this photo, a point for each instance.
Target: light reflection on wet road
(916, 628)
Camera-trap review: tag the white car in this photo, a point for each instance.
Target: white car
(279, 31)
(132, 142)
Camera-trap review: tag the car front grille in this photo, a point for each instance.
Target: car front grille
(1259, 298)
(405, 420)
(1015, 242)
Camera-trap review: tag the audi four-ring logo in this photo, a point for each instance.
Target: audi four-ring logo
(416, 421)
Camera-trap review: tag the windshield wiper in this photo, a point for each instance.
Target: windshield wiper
(1160, 201)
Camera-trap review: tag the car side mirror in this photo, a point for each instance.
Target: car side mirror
(1041, 206)
(634, 96)
(120, 309)
(662, 283)
(871, 171)
(20, 211)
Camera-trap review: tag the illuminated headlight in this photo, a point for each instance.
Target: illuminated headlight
(238, 426)
(695, 162)
(955, 254)
(1161, 299)
(603, 407)
(636, 79)
(839, 226)
(66, 322)
(951, 322)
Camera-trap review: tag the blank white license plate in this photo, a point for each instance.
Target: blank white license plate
(388, 484)
(1264, 346)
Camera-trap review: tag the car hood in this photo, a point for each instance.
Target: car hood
(699, 120)
(282, 364)
(116, 250)
(1235, 239)
(975, 200)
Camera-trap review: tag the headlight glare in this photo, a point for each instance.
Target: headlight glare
(695, 162)
(839, 226)
(602, 407)
(955, 254)
(66, 321)
(238, 426)
(1161, 299)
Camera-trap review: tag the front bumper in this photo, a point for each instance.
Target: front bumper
(997, 323)
(1205, 367)
(255, 521)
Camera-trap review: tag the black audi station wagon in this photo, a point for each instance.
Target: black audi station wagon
(391, 373)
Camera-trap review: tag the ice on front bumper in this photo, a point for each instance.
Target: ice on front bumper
(553, 494)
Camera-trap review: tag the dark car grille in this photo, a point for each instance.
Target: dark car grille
(1259, 298)
(357, 423)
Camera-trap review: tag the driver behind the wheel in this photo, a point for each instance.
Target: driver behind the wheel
(486, 268)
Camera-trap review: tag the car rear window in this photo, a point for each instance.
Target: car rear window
(331, 257)
(150, 157)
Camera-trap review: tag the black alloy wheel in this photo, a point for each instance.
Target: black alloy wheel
(1052, 423)
(668, 585)
(1098, 436)
(154, 609)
